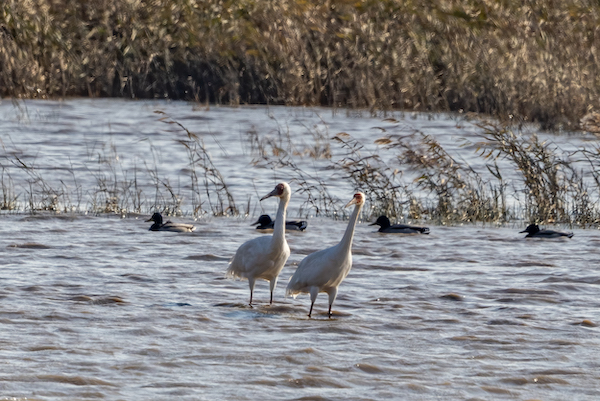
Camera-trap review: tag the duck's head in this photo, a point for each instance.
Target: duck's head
(531, 229)
(382, 221)
(263, 220)
(156, 217)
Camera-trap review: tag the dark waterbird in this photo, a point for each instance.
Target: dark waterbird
(168, 226)
(533, 230)
(265, 223)
(386, 227)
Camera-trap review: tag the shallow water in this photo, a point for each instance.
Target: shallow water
(98, 307)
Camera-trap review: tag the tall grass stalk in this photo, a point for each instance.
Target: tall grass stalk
(219, 198)
(548, 176)
(369, 172)
(9, 198)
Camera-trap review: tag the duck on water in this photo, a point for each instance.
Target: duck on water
(265, 223)
(533, 231)
(168, 226)
(385, 226)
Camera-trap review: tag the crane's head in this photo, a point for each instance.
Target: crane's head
(358, 199)
(281, 190)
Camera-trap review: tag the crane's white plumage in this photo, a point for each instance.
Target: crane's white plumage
(324, 270)
(264, 257)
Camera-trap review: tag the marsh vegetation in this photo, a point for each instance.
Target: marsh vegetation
(518, 63)
(534, 60)
(498, 174)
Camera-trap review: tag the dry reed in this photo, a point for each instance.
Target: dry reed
(536, 60)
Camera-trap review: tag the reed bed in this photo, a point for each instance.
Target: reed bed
(535, 60)
(424, 182)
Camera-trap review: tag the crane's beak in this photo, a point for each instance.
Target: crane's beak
(272, 193)
(352, 202)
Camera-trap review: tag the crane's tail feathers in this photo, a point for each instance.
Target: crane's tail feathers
(232, 274)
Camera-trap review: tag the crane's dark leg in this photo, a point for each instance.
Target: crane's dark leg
(314, 291)
(272, 284)
(332, 294)
(251, 285)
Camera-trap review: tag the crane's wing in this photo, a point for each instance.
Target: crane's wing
(320, 269)
(250, 255)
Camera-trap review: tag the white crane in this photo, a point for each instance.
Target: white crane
(264, 257)
(323, 271)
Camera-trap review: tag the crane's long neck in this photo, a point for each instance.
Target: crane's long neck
(279, 227)
(346, 242)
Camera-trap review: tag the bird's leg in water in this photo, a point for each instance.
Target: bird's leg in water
(272, 284)
(314, 291)
(251, 282)
(332, 294)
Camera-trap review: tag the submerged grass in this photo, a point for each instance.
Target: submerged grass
(213, 182)
(370, 173)
(426, 182)
(118, 189)
(417, 179)
(456, 190)
(537, 60)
